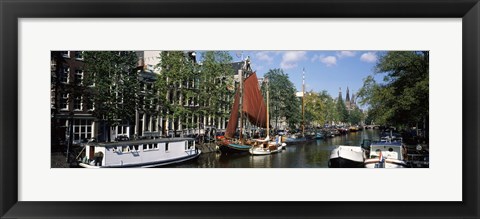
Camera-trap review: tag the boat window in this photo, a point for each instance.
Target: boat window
(114, 149)
(125, 149)
(191, 144)
(145, 147)
(136, 147)
(130, 147)
(390, 149)
(377, 154)
(186, 145)
(166, 146)
(155, 146)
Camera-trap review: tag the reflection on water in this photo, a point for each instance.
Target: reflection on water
(313, 154)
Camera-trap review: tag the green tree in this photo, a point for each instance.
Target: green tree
(174, 86)
(283, 102)
(330, 113)
(342, 112)
(188, 89)
(112, 75)
(355, 116)
(319, 108)
(402, 98)
(215, 75)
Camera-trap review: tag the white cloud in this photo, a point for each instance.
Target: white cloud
(342, 54)
(286, 65)
(264, 56)
(328, 60)
(290, 59)
(369, 57)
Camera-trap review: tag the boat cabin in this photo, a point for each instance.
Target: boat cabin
(389, 150)
(143, 153)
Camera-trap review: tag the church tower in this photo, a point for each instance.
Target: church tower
(347, 99)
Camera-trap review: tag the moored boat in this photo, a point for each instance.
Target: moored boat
(139, 153)
(295, 139)
(266, 148)
(347, 157)
(248, 105)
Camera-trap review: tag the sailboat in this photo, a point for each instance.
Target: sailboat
(248, 105)
(266, 146)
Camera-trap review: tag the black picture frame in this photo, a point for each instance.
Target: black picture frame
(11, 11)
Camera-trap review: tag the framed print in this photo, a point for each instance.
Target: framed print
(312, 41)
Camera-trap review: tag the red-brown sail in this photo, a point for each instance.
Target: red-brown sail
(233, 120)
(253, 104)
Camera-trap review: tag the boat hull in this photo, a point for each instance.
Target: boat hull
(341, 162)
(150, 164)
(233, 148)
(265, 151)
(387, 163)
(347, 157)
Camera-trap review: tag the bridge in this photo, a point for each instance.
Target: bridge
(372, 126)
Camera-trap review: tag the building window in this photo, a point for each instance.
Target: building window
(82, 129)
(77, 103)
(91, 107)
(64, 101)
(78, 76)
(88, 104)
(64, 73)
(79, 55)
(65, 54)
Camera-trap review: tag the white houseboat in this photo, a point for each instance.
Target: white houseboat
(139, 153)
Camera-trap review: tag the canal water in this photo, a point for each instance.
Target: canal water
(312, 154)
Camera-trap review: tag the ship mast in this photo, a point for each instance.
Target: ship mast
(303, 102)
(268, 122)
(240, 108)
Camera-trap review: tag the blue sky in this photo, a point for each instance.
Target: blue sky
(324, 70)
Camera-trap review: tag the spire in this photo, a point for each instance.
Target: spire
(347, 99)
(353, 98)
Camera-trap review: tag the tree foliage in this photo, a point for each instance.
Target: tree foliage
(174, 84)
(355, 116)
(283, 102)
(319, 108)
(187, 88)
(342, 112)
(214, 72)
(113, 78)
(402, 99)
